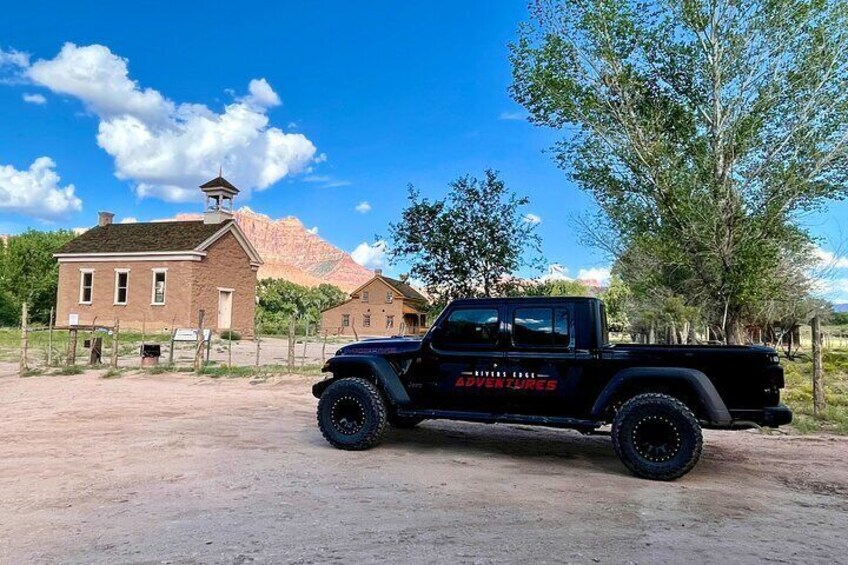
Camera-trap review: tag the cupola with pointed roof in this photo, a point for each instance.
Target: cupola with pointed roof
(219, 200)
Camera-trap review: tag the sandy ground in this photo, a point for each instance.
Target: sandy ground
(180, 469)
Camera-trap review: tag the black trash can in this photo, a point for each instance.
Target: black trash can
(150, 354)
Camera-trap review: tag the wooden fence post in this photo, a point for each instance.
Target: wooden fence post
(292, 328)
(72, 347)
(305, 343)
(198, 353)
(50, 339)
(115, 342)
(230, 349)
(24, 338)
(324, 348)
(819, 401)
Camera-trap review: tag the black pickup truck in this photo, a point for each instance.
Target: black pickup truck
(548, 362)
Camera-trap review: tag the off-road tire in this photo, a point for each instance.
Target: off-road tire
(352, 414)
(657, 437)
(403, 422)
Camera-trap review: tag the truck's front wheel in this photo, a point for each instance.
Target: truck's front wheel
(352, 414)
(657, 437)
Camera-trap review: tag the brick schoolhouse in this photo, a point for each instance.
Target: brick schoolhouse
(381, 307)
(159, 275)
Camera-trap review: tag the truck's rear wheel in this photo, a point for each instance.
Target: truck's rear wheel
(657, 437)
(352, 414)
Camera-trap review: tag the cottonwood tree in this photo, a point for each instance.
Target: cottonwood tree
(29, 273)
(468, 244)
(279, 301)
(704, 129)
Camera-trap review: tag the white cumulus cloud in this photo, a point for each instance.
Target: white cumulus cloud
(168, 149)
(830, 260)
(35, 98)
(363, 207)
(36, 191)
(129, 220)
(600, 274)
(532, 219)
(556, 272)
(13, 58)
(370, 255)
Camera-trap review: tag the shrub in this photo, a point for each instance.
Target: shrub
(230, 335)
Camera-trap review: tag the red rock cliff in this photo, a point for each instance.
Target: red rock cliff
(292, 252)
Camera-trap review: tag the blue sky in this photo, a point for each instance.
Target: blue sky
(362, 98)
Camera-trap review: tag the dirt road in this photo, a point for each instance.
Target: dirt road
(178, 469)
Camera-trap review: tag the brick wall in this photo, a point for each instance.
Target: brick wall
(138, 311)
(226, 266)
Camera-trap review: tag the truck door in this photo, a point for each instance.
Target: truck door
(541, 359)
(467, 348)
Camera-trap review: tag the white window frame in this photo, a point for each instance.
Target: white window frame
(345, 317)
(390, 321)
(153, 287)
(84, 272)
(119, 272)
(390, 297)
(366, 320)
(364, 296)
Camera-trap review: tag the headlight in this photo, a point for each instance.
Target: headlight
(774, 358)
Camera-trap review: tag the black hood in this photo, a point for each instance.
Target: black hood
(387, 346)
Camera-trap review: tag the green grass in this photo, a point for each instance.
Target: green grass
(69, 370)
(798, 393)
(265, 371)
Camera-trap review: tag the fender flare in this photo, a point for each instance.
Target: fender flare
(714, 407)
(371, 367)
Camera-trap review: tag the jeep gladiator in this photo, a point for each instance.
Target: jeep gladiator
(548, 362)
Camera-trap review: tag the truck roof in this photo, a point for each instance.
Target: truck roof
(522, 299)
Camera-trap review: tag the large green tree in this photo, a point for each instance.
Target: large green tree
(468, 244)
(280, 301)
(703, 128)
(29, 273)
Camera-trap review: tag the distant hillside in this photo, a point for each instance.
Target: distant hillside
(292, 252)
(840, 307)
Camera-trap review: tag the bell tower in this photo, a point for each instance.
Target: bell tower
(219, 194)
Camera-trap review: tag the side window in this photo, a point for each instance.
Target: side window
(345, 320)
(562, 328)
(533, 327)
(390, 297)
(364, 296)
(366, 320)
(542, 327)
(472, 327)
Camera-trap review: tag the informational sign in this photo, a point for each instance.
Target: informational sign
(73, 319)
(190, 334)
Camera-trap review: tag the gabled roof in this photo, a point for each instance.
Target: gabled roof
(150, 238)
(406, 290)
(220, 181)
(142, 237)
(398, 286)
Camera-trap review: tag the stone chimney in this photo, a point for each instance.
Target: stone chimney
(104, 218)
(378, 272)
